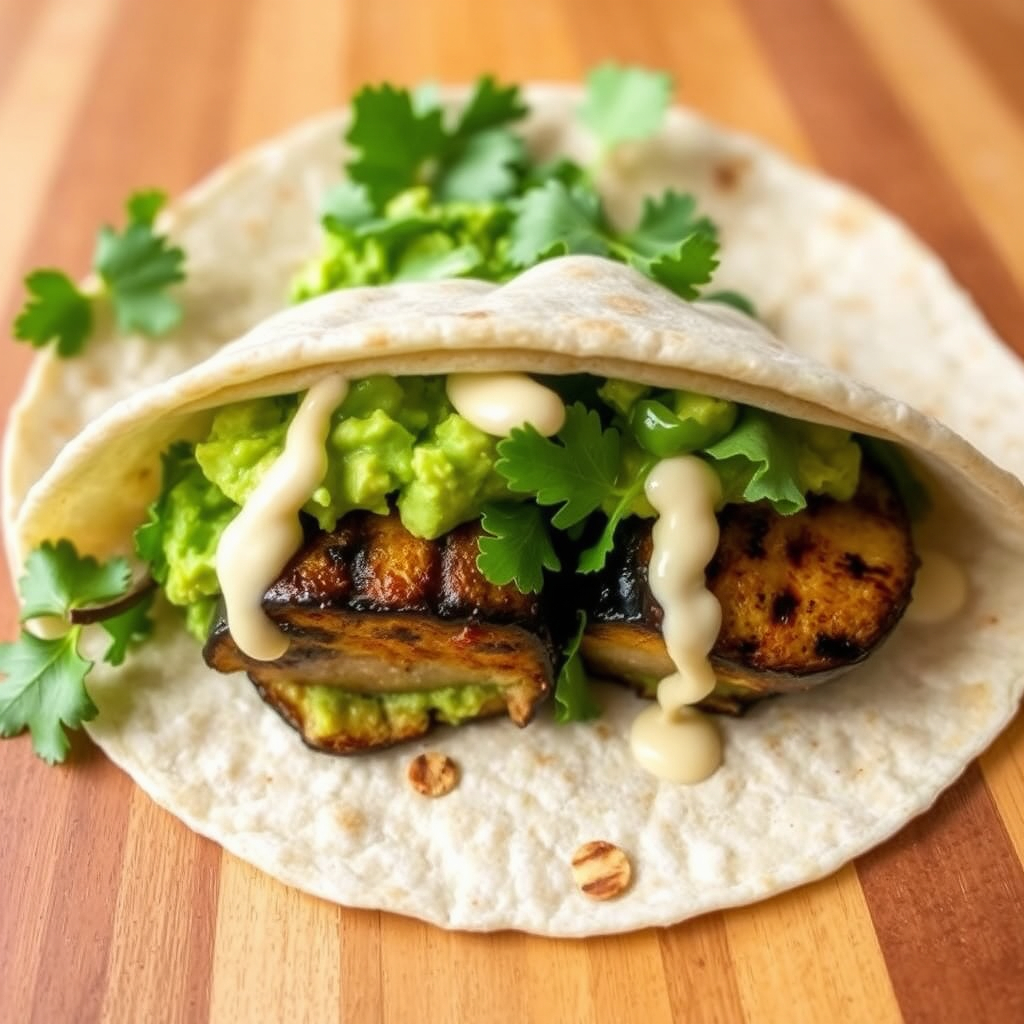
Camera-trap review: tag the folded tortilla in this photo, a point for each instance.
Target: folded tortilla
(809, 780)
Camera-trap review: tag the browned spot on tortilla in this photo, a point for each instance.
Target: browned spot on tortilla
(601, 870)
(475, 314)
(254, 228)
(729, 173)
(610, 330)
(544, 759)
(350, 820)
(377, 341)
(627, 304)
(603, 731)
(433, 774)
(581, 273)
(850, 218)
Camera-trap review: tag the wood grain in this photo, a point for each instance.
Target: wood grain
(111, 910)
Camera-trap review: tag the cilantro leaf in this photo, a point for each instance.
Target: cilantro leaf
(484, 169)
(393, 141)
(345, 207)
(624, 104)
(45, 678)
(137, 265)
(55, 309)
(577, 474)
(490, 106)
(45, 686)
(401, 141)
(128, 628)
(555, 220)
(518, 549)
(134, 267)
(573, 700)
(593, 558)
(691, 264)
(433, 257)
(57, 579)
(737, 300)
(665, 222)
(757, 460)
(143, 206)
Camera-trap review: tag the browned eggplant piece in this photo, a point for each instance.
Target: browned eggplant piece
(804, 597)
(389, 633)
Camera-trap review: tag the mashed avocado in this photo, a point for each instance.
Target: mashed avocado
(390, 437)
(327, 711)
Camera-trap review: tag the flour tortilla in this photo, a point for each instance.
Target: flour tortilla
(809, 781)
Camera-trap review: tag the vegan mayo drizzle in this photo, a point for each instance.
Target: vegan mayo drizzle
(497, 403)
(671, 739)
(258, 542)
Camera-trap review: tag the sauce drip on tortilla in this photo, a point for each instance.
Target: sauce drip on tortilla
(672, 739)
(497, 403)
(940, 589)
(258, 542)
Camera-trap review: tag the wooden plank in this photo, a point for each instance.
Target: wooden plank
(968, 122)
(163, 923)
(811, 955)
(947, 899)
(275, 949)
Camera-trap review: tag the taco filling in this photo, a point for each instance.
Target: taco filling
(431, 582)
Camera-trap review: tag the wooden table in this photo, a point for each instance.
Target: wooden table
(112, 910)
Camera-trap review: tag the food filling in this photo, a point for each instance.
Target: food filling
(451, 534)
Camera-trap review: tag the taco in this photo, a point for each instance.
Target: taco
(809, 780)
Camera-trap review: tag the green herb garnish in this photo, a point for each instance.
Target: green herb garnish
(134, 269)
(45, 686)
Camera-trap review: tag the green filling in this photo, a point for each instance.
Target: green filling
(327, 711)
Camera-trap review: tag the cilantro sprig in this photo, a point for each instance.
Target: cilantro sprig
(669, 244)
(134, 268)
(44, 690)
(400, 143)
(434, 195)
(573, 700)
(580, 471)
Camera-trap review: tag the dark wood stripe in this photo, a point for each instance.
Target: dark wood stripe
(203, 857)
(994, 33)
(947, 900)
(875, 145)
(692, 954)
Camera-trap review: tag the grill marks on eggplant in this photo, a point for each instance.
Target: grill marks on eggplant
(804, 597)
(374, 611)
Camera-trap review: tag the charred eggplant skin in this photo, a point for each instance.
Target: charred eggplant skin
(372, 610)
(804, 597)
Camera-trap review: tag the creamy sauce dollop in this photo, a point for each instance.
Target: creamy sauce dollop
(258, 542)
(940, 589)
(497, 403)
(671, 739)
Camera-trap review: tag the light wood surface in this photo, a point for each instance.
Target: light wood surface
(109, 908)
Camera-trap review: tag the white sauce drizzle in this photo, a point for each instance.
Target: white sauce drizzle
(940, 589)
(258, 542)
(670, 739)
(497, 403)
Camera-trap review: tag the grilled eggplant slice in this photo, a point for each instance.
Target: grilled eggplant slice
(390, 633)
(804, 597)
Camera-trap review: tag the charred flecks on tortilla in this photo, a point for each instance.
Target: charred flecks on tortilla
(804, 597)
(390, 619)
